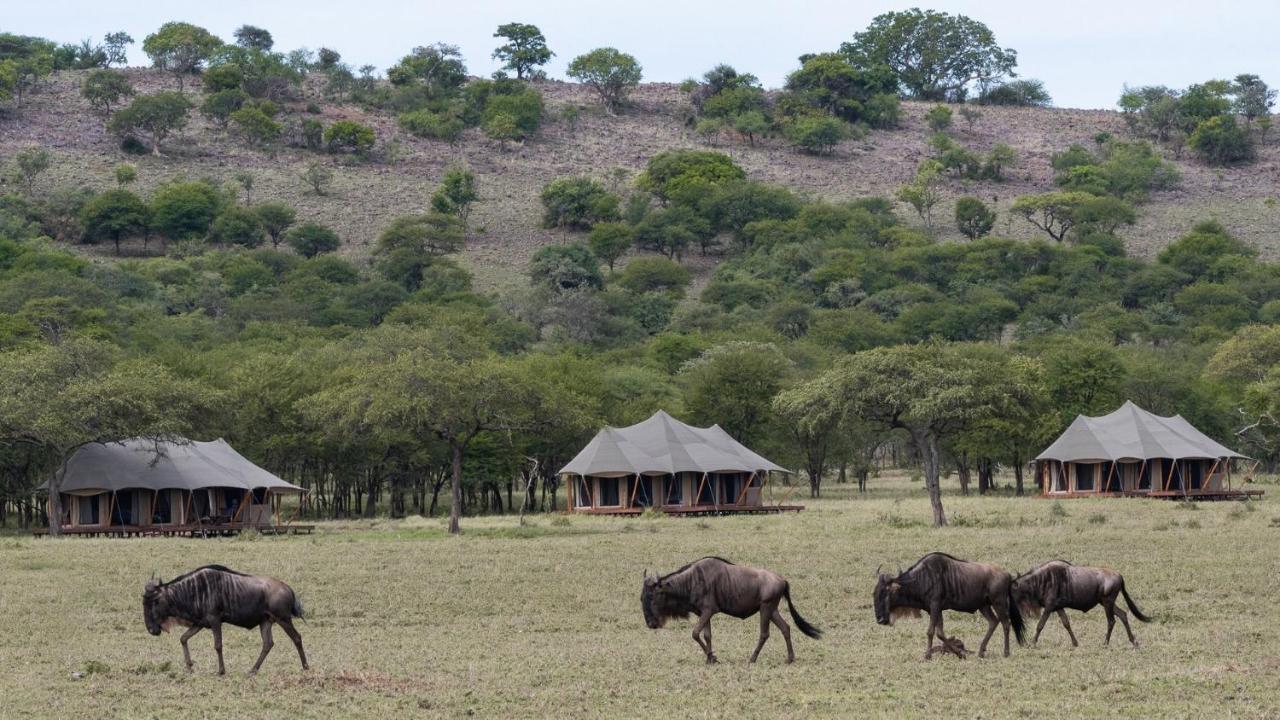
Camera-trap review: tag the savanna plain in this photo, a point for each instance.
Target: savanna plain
(544, 620)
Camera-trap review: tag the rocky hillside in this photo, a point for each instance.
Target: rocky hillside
(366, 196)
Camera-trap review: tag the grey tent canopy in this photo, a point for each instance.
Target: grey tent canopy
(1131, 433)
(160, 465)
(664, 445)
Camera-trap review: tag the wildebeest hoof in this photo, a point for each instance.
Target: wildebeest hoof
(712, 660)
(790, 660)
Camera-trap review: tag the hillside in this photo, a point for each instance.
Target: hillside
(365, 197)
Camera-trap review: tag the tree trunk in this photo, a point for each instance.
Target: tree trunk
(986, 473)
(931, 457)
(455, 510)
(962, 471)
(1017, 475)
(815, 482)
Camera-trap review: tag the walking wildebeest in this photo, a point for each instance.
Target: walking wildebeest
(1057, 585)
(715, 585)
(212, 595)
(940, 582)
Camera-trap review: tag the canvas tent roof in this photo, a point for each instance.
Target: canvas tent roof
(151, 465)
(663, 444)
(1131, 433)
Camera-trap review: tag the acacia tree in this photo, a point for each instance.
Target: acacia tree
(153, 116)
(525, 49)
(935, 55)
(180, 48)
(931, 391)
(60, 398)
(114, 214)
(456, 194)
(611, 73)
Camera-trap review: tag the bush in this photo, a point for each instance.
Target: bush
(1222, 141)
(524, 109)
(434, 125)
(237, 226)
(1017, 93)
(312, 134)
(577, 202)
(255, 126)
(566, 267)
(647, 274)
(610, 241)
(684, 176)
(816, 134)
(311, 239)
(973, 218)
(185, 210)
(349, 136)
(938, 118)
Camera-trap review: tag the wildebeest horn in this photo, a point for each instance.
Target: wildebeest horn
(881, 565)
(645, 574)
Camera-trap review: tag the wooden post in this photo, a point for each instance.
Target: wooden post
(787, 496)
(111, 508)
(243, 503)
(1106, 484)
(634, 491)
(697, 495)
(572, 494)
(1173, 463)
(1141, 470)
(750, 479)
(1208, 480)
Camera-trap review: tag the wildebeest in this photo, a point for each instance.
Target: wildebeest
(1058, 585)
(714, 585)
(212, 595)
(940, 582)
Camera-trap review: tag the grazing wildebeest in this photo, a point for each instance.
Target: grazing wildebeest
(212, 595)
(940, 582)
(715, 585)
(1057, 585)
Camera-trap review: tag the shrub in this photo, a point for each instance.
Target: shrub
(435, 125)
(524, 109)
(647, 274)
(566, 267)
(973, 218)
(349, 136)
(577, 202)
(938, 118)
(1017, 93)
(817, 134)
(237, 226)
(105, 88)
(184, 210)
(255, 126)
(311, 239)
(1222, 141)
(312, 134)
(610, 241)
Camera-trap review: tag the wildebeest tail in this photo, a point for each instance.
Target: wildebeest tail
(1133, 608)
(801, 623)
(1015, 618)
(297, 606)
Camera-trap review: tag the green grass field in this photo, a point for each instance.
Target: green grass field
(404, 621)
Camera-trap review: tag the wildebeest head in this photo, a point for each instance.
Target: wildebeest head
(151, 613)
(1025, 589)
(652, 599)
(882, 598)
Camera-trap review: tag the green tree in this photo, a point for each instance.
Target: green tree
(237, 226)
(180, 48)
(1016, 93)
(349, 136)
(430, 234)
(525, 50)
(686, 176)
(105, 88)
(312, 239)
(938, 118)
(114, 214)
(154, 117)
(318, 177)
(650, 274)
(609, 241)
(1055, 213)
(566, 268)
(925, 191)
(185, 210)
(253, 38)
(436, 70)
(829, 83)
(816, 134)
(276, 218)
(32, 162)
(612, 74)
(935, 55)
(116, 45)
(456, 194)
(733, 385)
(1253, 99)
(973, 218)
(255, 126)
(577, 203)
(218, 106)
(1220, 140)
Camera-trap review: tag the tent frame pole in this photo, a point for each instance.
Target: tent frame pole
(1141, 470)
(634, 490)
(1208, 479)
(1173, 464)
(1106, 484)
(750, 479)
(697, 495)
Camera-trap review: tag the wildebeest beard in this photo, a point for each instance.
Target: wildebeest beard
(662, 599)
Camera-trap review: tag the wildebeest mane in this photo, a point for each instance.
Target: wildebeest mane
(218, 568)
(695, 562)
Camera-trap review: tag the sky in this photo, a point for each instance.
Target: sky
(1085, 51)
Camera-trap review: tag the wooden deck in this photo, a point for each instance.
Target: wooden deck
(1206, 495)
(695, 510)
(191, 530)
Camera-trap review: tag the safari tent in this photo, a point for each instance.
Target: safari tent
(147, 487)
(1132, 452)
(671, 466)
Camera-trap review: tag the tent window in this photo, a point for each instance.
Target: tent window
(608, 491)
(123, 513)
(581, 493)
(1175, 482)
(642, 494)
(730, 486)
(1084, 476)
(707, 492)
(1112, 478)
(1195, 473)
(200, 503)
(673, 489)
(1144, 477)
(231, 500)
(89, 509)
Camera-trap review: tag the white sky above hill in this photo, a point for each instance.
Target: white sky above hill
(1084, 50)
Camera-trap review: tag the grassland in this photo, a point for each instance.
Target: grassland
(404, 621)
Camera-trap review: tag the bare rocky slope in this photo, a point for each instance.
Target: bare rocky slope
(365, 197)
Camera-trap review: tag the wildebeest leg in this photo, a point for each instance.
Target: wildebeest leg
(786, 634)
(1124, 618)
(297, 641)
(766, 617)
(1044, 618)
(216, 629)
(935, 627)
(186, 652)
(267, 644)
(1110, 607)
(1062, 615)
(703, 628)
(991, 629)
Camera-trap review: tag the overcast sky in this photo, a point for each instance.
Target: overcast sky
(1085, 51)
